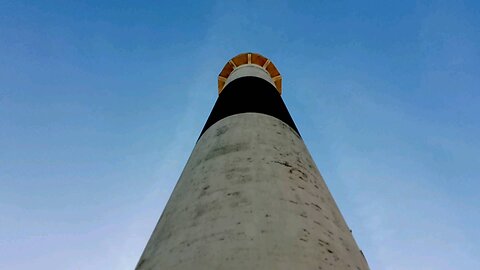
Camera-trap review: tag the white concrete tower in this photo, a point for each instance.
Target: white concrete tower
(250, 196)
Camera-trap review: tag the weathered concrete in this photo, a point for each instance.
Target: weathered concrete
(251, 197)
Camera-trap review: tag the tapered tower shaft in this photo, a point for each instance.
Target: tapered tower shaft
(250, 196)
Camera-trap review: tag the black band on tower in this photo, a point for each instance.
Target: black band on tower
(249, 94)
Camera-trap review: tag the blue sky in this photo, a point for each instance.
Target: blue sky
(101, 104)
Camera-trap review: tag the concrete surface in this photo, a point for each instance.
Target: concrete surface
(251, 197)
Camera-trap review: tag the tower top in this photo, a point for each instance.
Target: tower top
(250, 64)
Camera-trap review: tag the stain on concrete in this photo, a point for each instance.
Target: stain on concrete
(226, 149)
(221, 130)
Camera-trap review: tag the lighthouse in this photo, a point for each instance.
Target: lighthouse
(250, 195)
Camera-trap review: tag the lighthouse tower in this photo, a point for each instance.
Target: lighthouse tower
(250, 195)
